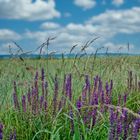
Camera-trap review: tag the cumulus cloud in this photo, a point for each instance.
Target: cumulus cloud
(106, 25)
(25, 9)
(123, 48)
(85, 4)
(117, 2)
(113, 22)
(6, 34)
(49, 25)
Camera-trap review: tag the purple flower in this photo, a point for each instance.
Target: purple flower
(29, 97)
(100, 87)
(42, 78)
(69, 87)
(45, 105)
(41, 101)
(1, 131)
(71, 121)
(16, 103)
(119, 128)
(79, 104)
(42, 74)
(112, 128)
(55, 94)
(24, 103)
(46, 90)
(36, 82)
(102, 97)
(94, 113)
(87, 83)
(136, 128)
(13, 135)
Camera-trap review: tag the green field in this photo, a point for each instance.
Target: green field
(74, 119)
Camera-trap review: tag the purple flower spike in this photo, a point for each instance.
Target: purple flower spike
(71, 121)
(69, 84)
(42, 74)
(29, 97)
(112, 129)
(16, 103)
(87, 83)
(46, 90)
(119, 129)
(1, 131)
(136, 128)
(79, 104)
(41, 102)
(13, 135)
(45, 105)
(24, 103)
(102, 97)
(94, 113)
(55, 94)
(100, 87)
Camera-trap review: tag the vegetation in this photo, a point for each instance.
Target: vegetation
(89, 98)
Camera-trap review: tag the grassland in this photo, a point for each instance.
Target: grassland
(68, 121)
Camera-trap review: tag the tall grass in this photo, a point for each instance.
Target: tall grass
(82, 98)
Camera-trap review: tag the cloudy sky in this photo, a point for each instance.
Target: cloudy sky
(31, 22)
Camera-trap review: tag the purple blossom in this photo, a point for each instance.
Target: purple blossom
(69, 87)
(94, 113)
(119, 128)
(87, 83)
(102, 97)
(29, 97)
(71, 120)
(112, 128)
(79, 104)
(16, 103)
(13, 135)
(1, 131)
(41, 102)
(46, 90)
(24, 103)
(136, 128)
(45, 105)
(42, 74)
(43, 84)
(55, 94)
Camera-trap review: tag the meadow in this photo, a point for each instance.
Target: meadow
(83, 98)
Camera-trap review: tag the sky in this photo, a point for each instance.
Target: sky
(29, 23)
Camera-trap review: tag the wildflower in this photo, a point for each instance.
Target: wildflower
(24, 103)
(1, 131)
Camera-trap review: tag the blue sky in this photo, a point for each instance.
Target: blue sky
(31, 22)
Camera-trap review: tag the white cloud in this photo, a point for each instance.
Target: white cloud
(6, 34)
(25, 9)
(106, 25)
(85, 4)
(117, 2)
(115, 48)
(113, 22)
(49, 25)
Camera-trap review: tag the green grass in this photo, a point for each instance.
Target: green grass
(44, 127)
